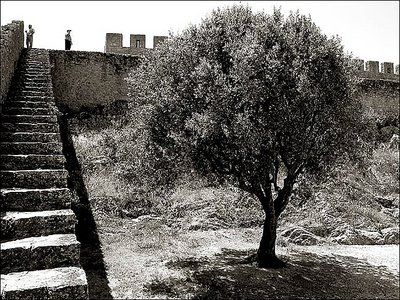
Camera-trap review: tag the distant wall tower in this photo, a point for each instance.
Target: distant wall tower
(113, 41)
(372, 66)
(138, 41)
(387, 68)
(157, 39)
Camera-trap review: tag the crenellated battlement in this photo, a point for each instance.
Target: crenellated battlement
(373, 70)
(368, 69)
(137, 44)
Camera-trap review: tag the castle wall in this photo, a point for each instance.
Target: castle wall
(379, 97)
(11, 44)
(89, 80)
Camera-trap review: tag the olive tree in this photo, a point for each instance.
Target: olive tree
(255, 99)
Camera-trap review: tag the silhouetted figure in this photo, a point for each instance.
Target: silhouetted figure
(29, 36)
(68, 40)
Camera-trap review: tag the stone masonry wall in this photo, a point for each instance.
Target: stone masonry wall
(92, 80)
(11, 44)
(380, 97)
(89, 80)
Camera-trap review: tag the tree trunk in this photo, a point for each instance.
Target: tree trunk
(266, 256)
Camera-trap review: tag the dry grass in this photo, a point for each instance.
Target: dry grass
(174, 247)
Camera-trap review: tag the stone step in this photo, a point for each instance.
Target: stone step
(29, 118)
(23, 76)
(39, 65)
(35, 199)
(30, 148)
(38, 75)
(38, 253)
(35, 93)
(38, 68)
(33, 98)
(35, 55)
(31, 161)
(31, 64)
(34, 74)
(30, 127)
(35, 87)
(46, 178)
(10, 110)
(19, 225)
(28, 104)
(32, 67)
(51, 284)
(29, 137)
(34, 80)
(35, 69)
(32, 84)
(31, 59)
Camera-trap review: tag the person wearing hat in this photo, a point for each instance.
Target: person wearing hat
(68, 40)
(29, 37)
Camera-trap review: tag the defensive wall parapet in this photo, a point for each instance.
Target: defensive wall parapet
(11, 44)
(137, 44)
(377, 71)
(95, 79)
(89, 79)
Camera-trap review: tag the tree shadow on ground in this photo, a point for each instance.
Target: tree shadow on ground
(91, 255)
(229, 275)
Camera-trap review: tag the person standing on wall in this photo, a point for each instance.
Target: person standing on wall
(68, 40)
(29, 37)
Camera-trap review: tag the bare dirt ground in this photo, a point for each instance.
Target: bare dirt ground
(146, 259)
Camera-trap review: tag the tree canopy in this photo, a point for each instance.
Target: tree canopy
(254, 99)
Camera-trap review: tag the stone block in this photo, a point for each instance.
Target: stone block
(30, 148)
(19, 225)
(11, 110)
(29, 137)
(27, 103)
(35, 199)
(36, 253)
(29, 118)
(31, 161)
(56, 283)
(30, 127)
(33, 178)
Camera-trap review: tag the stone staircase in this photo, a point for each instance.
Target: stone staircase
(39, 250)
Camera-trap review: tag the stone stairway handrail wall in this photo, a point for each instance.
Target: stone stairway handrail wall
(11, 45)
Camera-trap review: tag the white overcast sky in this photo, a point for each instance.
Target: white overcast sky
(369, 29)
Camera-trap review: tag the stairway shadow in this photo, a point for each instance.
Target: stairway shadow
(92, 259)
